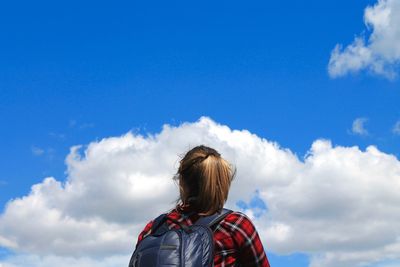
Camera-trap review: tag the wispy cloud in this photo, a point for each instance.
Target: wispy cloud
(84, 125)
(48, 153)
(37, 151)
(58, 136)
(380, 53)
(358, 126)
(396, 128)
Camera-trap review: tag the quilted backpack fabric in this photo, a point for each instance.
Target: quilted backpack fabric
(187, 246)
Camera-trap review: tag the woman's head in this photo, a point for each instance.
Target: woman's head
(204, 179)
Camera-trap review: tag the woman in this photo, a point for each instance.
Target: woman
(204, 179)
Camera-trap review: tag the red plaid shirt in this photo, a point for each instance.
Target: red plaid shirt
(235, 239)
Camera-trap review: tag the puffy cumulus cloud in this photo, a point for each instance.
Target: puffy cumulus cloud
(51, 261)
(340, 205)
(380, 54)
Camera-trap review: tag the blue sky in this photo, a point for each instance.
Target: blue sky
(74, 72)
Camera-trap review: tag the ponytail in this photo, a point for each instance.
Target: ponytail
(204, 180)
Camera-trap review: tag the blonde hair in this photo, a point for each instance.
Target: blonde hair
(204, 179)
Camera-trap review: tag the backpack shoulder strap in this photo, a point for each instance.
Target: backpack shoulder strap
(213, 219)
(158, 222)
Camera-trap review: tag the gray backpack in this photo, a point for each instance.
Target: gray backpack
(187, 246)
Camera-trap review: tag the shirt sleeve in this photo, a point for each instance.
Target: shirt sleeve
(250, 249)
(144, 232)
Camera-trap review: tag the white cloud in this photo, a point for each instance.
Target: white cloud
(84, 125)
(51, 261)
(396, 128)
(49, 153)
(37, 151)
(58, 136)
(358, 126)
(339, 204)
(380, 54)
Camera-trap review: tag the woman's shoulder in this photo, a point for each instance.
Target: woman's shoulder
(235, 216)
(237, 220)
